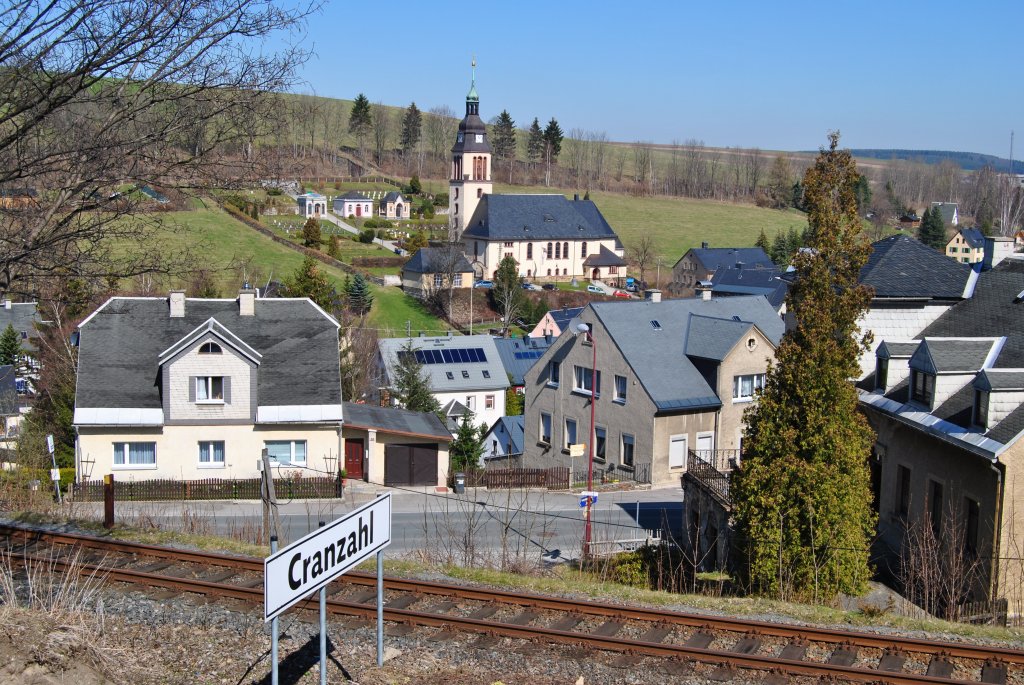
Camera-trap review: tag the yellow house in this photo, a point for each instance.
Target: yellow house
(967, 246)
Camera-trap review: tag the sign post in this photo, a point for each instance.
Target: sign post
(54, 472)
(309, 564)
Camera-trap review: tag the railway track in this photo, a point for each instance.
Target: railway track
(680, 640)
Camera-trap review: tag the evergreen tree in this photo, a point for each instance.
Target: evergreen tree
(467, 449)
(412, 128)
(780, 250)
(415, 187)
(863, 194)
(552, 147)
(762, 242)
(802, 499)
(360, 299)
(504, 139)
(311, 235)
(933, 229)
(334, 246)
(794, 241)
(412, 388)
(309, 281)
(10, 346)
(359, 121)
(535, 143)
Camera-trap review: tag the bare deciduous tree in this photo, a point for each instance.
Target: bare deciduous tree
(643, 253)
(381, 131)
(440, 127)
(106, 94)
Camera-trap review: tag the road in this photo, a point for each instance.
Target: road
(478, 526)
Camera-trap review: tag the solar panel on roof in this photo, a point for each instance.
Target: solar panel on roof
(447, 354)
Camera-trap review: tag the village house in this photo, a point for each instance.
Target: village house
(432, 270)
(967, 246)
(949, 211)
(395, 446)
(464, 372)
(734, 280)
(673, 378)
(394, 207)
(519, 355)
(503, 443)
(948, 410)
(555, 321)
(311, 205)
(700, 264)
(353, 204)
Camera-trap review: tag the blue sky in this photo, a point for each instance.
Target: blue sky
(776, 75)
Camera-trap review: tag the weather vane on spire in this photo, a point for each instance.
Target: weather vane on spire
(473, 64)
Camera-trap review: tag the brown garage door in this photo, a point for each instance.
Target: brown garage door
(410, 464)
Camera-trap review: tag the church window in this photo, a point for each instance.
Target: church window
(549, 272)
(456, 207)
(529, 250)
(456, 194)
(479, 192)
(548, 253)
(565, 250)
(565, 272)
(583, 250)
(558, 250)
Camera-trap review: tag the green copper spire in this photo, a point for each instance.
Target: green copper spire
(472, 96)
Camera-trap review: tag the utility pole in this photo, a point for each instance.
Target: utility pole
(269, 497)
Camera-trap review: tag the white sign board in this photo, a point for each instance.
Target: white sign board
(577, 449)
(49, 443)
(308, 564)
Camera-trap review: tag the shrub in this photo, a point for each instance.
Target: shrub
(274, 192)
(441, 199)
(367, 236)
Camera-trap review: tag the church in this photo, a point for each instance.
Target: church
(549, 236)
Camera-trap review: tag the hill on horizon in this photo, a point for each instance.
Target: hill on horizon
(968, 161)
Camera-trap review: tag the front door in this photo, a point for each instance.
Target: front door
(359, 210)
(354, 458)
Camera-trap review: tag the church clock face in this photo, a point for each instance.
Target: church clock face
(479, 137)
(458, 137)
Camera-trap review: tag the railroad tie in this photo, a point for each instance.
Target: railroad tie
(364, 597)
(892, 660)
(940, 666)
(748, 644)
(220, 577)
(403, 602)
(994, 671)
(484, 612)
(443, 607)
(657, 634)
(795, 650)
(523, 619)
(159, 566)
(843, 655)
(701, 639)
(608, 629)
(398, 629)
(567, 623)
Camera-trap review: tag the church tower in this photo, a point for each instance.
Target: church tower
(471, 165)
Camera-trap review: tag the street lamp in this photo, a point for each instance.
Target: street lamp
(588, 331)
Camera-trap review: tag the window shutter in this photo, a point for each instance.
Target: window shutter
(191, 388)
(227, 389)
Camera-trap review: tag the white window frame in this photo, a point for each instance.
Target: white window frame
(206, 449)
(756, 383)
(471, 402)
(438, 280)
(622, 450)
(575, 432)
(458, 280)
(582, 377)
(205, 389)
(488, 401)
(685, 439)
(554, 373)
(620, 397)
(926, 396)
(979, 412)
(545, 418)
(292, 461)
(125, 451)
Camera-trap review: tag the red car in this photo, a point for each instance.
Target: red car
(623, 293)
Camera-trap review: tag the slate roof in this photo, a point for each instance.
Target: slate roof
(902, 267)
(477, 373)
(537, 217)
(563, 316)
(604, 258)
(973, 237)
(121, 342)
(658, 355)
(393, 196)
(946, 209)
(518, 355)
(751, 281)
(1000, 380)
(993, 311)
(712, 338)
(352, 195)
(714, 258)
(23, 316)
(430, 260)
(394, 420)
(896, 349)
(514, 428)
(8, 391)
(954, 355)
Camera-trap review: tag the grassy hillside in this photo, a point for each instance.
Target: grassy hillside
(678, 223)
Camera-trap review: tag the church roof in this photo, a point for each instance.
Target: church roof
(537, 217)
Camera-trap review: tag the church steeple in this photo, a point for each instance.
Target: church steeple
(471, 163)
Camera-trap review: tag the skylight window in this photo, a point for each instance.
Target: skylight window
(465, 374)
(656, 325)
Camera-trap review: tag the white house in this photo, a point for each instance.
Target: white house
(312, 204)
(354, 204)
(465, 369)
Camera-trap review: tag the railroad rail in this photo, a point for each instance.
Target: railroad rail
(683, 639)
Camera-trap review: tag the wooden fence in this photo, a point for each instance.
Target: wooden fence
(555, 478)
(207, 489)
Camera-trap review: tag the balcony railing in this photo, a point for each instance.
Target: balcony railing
(704, 473)
(721, 460)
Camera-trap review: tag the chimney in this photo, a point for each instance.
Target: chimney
(705, 294)
(739, 266)
(247, 302)
(652, 295)
(177, 300)
(547, 338)
(576, 197)
(7, 304)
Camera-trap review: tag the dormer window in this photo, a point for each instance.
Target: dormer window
(922, 387)
(881, 373)
(981, 408)
(210, 348)
(210, 389)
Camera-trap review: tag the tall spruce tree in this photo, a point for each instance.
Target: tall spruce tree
(412, 127)
(360, 121)
(467, 448)
(504, 140)
(535, 142)
(802, 499)
(933, 229)
(312, 236)
(10, 346)
(360, 299)
(552, 147)
(309, 281)
(412, 388)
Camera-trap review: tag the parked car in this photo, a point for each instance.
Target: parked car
(529, 286)
(484, 284)
(622, 293)
(595, 289)
(549, 286)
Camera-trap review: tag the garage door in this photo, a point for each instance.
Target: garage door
(410, 464)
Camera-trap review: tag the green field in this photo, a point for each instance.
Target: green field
(221, 244)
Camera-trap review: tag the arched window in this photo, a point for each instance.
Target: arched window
(529, 250)
(583, 250)
(210, 348)
(549, 272)
(529, 273)
(565, 250)
(558, 250)
(565, 272)
(549, 253)
(456, 207)
(479, 192)
(456, 194)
